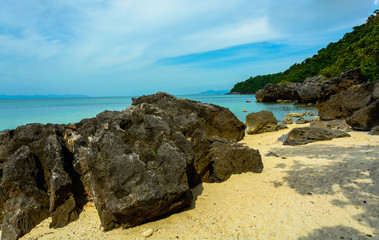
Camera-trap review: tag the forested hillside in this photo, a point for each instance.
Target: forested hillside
(359, 48)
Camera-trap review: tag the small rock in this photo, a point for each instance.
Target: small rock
(297, 115)
(148, 232)
(288, 120)
(101, 228)
(281, 126)
(374, 130)
(244, 110)
(302, 121)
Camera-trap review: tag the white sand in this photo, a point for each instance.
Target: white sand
(323, 190)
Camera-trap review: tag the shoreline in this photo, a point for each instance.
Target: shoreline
(321, 190)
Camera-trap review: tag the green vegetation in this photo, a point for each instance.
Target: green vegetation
(359, 48)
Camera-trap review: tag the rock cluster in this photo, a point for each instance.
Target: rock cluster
(312, 89)
(137, 164)
(347, 96)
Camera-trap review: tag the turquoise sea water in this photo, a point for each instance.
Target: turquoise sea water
(17, 112)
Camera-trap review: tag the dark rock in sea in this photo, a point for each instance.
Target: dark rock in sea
(301, 136)
(137, 164)
(339, 124)
(365, 118)
(310, 89)
(344, 104)
(260, 122)
(374, 130)
(274, 92)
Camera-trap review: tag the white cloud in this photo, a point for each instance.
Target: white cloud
(90, 38)
(145, 30)
(28, 45)
(111, 33)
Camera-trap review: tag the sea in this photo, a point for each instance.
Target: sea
(17, 112)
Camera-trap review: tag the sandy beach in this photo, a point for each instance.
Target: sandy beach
(323, 190)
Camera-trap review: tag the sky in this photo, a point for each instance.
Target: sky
(135, 47)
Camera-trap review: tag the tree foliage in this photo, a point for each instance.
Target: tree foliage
(359, 48)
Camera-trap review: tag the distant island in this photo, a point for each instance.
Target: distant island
(358, 48)
(209, 92)
(39, 96)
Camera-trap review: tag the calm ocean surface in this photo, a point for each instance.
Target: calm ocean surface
(17, 112)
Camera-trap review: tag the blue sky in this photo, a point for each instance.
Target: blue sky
(130, 47)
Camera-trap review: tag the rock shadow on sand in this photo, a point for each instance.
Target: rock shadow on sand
(352, 171)
(337, 232)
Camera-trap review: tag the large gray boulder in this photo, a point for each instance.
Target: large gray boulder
(365, 118)
(137, 164)
(344, 104)
(152, 135)
(310, 89)
(341, 83)
(232, 158)
(274, 92)
(339, 124)
(305, 135)
(223, 159)
(260, 122)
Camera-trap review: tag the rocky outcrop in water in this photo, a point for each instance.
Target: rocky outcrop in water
(275, 92)
(312, 89)
(137, 164)
(347, 96)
